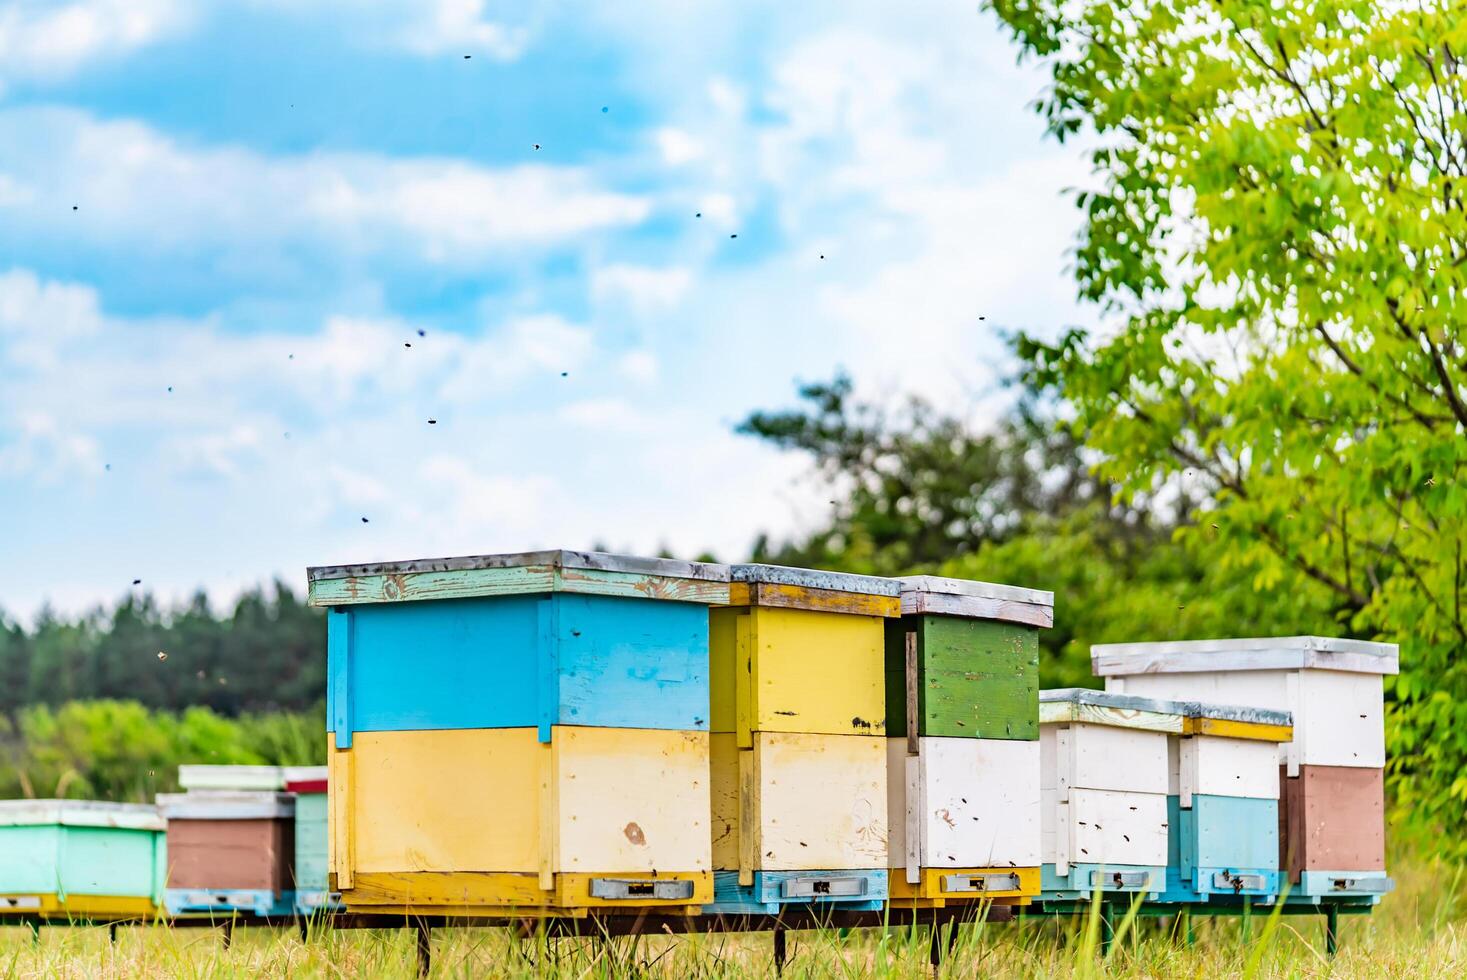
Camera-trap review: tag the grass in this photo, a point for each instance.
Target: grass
(1418, 931)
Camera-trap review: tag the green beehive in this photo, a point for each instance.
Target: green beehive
(975, 673)
(79, 859)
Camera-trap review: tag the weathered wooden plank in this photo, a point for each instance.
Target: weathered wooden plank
(557, 558)
(1105, 757)
(483, 893)
(814, 578)
(822, 801)
(1332, 818)
(816, 600)
(1226, 728)
(1067, 712)
(1261, 653)
(226, 854)
(80, 813)
(723, 756)
(484, 582)
(973, 607)
(939, 585)
(978, 678)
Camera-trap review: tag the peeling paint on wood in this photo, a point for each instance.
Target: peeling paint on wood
(815, 600)
(976, 678)
(1106, 708)
(399, 587)
(813, 578)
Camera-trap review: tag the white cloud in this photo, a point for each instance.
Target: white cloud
(437, 26)
(39, 448)
(677, 146)
(46, 41)
(137, 188)
(639, 366)
(641, 288)
(609, 415)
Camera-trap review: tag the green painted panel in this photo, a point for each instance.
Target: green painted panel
(81, 861)
(977, 678)
(310, 842)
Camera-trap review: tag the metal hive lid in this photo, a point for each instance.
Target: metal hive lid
(81, 813)
(814, 578)
(231, 777)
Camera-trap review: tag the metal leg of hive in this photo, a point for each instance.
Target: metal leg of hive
(112, 933)
(934, 945)
(305, 923)
(1331, 930)
(425, 948)
(1107, 929)
(227, 931)
(780, 951)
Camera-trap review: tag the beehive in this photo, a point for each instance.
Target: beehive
(564, 693)
(263, 779)
(1333, 689)
(1223, 803)
(81, 860)
(799, 757)
(962, 708)
(308, 785)
(230, 852)
(1103, 788)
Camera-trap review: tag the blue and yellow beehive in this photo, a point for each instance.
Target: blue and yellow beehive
(74, 859)
(799, 753)
(519, 733)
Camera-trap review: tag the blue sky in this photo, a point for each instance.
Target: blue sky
(222, 224)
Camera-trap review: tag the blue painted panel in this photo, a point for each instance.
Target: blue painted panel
(1361, 885)
(228, 901)
(1230, 832)
(632, 663)
(1083, 879)
(519, 661)
(764, 896)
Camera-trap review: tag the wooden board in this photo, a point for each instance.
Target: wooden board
(771, 892)
(1112, 828)
(1226, 767)
(973, 803)
(518, 574)
(1229, 728)
(814, 578)
(593, 799)
(1106, 758)
(723, 753)
(229, 854)
(1338, 717)
(72, 906)
(937, 884)
(1066, 705)
(518, 660)
(310, 842)
(80, 813)
(810, 672)
(976, 678)
(1256, 653)
(484, 893)
(813, 802)
(264, 778)
(931, 594)
(1332, 818)
(815, 600)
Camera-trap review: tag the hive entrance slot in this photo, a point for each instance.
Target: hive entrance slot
(623, 889)
(980, 883)
(850, 887)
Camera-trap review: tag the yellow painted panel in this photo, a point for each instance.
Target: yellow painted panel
(818, 672)
(457, 800)
(339, 861)
(821, 801)
(724, 784)
(721, 665)
(1227, 728)
(482, 893)
(632, 799)
(97, 907)
(930, 887)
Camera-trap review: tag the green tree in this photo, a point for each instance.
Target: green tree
(1281, 234)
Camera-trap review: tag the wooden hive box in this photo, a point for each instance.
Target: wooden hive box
(974, 665)
(492, 820)
(230, 852)
(1223, 803)
(796, 803)
(74, 859)
(263, 779)
(1332, 831)
(1333, 689)
(504, 641)
(1103, 790)
(308, 785)
(965, 820)
(799, 650)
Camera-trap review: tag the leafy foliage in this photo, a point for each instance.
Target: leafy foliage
(1282, 230)
(268, 653)
(1029, 512)
(119, 750)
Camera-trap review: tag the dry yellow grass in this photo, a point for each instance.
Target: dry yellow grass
(1417, 932)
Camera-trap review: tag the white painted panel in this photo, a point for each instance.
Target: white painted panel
(1111, 828)
(1343, 719)
(980, 803)
(896, 801)
(1338, 716)
(822, 801)
(1102, 757)
(1174, 766)
(1046, 756)
(1048, 809)
(1218, 766)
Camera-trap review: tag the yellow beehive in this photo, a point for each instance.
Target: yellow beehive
(477, 821)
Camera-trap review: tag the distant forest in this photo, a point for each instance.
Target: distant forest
(266, 653)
